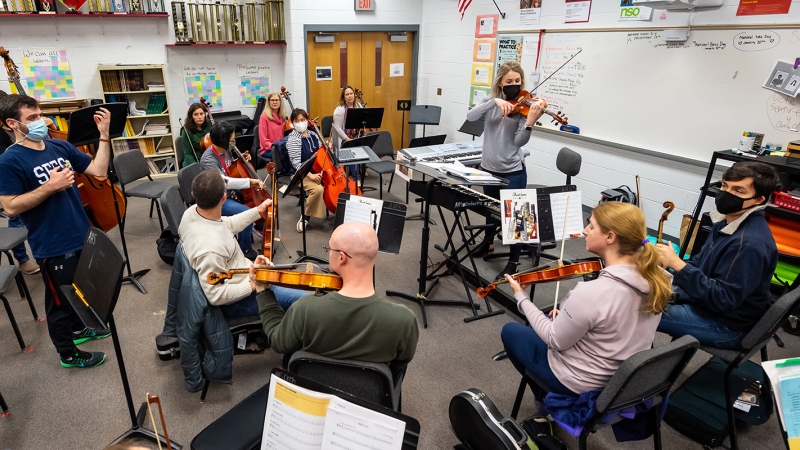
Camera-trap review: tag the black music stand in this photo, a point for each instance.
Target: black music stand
(424, 115)
(82, 131)
(423, 290)
(390, 230)
(360, 118)
(423, 142)
(98, 279)
(297, 180)
(472, 127)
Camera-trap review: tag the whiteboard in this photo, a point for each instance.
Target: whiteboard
(686, 99)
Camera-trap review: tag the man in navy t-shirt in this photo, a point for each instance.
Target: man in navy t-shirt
(37, 183)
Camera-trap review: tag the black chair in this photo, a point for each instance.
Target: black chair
(368, 381)
(185, 178)
(383, 147)
(568, 162)
(131, 166)
(756, 340)
(261, 103)
(10, 237)
(8, 273)
(327, 126)
(276, 158)
(649, 374)
(174, 207)
(257, 161)
(179, 151)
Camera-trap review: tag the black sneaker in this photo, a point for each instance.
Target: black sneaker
(87, 334)
(511, 268)
(251, 254)
(84, 359)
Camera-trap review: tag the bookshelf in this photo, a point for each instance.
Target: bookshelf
(58, 110)
(148, 128)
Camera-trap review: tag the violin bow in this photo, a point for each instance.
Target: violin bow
(639, 192)
(556, 71)
(561, 257)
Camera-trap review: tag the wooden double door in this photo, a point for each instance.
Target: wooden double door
(369, 61)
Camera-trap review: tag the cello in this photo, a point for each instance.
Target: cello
(312, 123)
(334, 179)
(98, 202)
(360, 96)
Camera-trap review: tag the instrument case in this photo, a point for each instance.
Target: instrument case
(479, 425)
(168, 347)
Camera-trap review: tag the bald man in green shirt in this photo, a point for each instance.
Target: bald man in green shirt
(353, 323)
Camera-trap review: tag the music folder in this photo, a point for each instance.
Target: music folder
(390, 219)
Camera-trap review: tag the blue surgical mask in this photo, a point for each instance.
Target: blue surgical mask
(37, 130)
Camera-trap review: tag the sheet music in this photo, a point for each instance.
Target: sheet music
(558, 205)
(352, 427)
(295, 418)
(363, 210)
(520, 223)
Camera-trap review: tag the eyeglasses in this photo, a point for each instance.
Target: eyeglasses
(328, 249)
(274, 99)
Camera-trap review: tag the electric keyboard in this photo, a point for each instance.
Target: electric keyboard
(457, 197)
(468, 153)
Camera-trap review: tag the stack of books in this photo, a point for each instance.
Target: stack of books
(122, 80)
(156, 129)
(157, 103)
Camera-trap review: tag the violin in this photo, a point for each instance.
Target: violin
(206, 141)
(539, 275)
(670, 207)
(97, 202)
(334, 179)
(278, 276)
(524, 101)
(270, 217)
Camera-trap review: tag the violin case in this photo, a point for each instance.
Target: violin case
(168, 347)
(480, 426)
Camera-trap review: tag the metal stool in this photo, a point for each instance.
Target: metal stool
(10, 238)
(7, 273)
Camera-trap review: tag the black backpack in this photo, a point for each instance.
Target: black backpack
(621, 194)
(166, 245)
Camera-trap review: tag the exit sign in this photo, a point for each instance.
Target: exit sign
(365, 5)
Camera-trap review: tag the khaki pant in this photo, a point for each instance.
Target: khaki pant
(315, 206)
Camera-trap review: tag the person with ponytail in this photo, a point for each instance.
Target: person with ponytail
(601, 322)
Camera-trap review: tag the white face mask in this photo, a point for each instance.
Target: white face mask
(301, 127)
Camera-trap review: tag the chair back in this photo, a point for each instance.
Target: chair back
(185, 178)
(174, 207)
(646, 374)
(383, 146)
(130, 166)
(769, 323)
(179, 151)
(568, 162)
(260, 105)
(369, 381)
(327, 126)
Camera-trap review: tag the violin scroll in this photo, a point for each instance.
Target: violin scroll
(214, 278)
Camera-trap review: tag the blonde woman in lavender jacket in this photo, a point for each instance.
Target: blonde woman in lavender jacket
(601, 322)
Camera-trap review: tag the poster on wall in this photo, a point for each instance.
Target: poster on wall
(629, 12)
(483, 50)
(759, 7)
(47, 73)
(509, 48)
(254, 83)
(486, 26)
(203, 81)
(576, 11)
(477, 94)
(530, 13)
(481, 74)
(784, 78)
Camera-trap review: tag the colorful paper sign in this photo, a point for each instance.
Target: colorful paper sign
(759, 7)
(486, 26)
(203, 81)
(47, 73)
(482, 74)
(629, 12)
(483, 50)
(478, 93)
(577, 11)
(530, 13)
(254, 83)
(509, 48)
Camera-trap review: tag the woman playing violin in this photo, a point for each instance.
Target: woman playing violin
(503, 138)
(219, 158)
(601, 322)
(302, 146)
(194, 128)
(271, 123)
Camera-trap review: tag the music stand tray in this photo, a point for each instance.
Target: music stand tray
(473, 128)
(83, 130)
(425, 115)
(358, 118)
(99, 279)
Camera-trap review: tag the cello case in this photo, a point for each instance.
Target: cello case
(480, 426)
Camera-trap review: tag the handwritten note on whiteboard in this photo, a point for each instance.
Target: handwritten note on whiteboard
(574, 219)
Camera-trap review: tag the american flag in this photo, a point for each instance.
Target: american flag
(462, 7)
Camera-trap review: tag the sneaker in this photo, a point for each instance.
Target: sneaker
(29, 267)
(87, 334)
(511, 268)
(251, 254)
(301, 224)
(84, 359)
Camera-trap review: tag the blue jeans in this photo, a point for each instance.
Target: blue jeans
(526, 350)
(684, 319)
(249, 307)
(516, 180)
(20, 253)
(245, 237)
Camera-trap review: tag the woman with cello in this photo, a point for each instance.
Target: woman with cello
(271, 123)
(195, 127)
(218, 157)
(503, 137)
(302, 146)
(601, 322)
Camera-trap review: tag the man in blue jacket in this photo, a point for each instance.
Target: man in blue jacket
(724, 289)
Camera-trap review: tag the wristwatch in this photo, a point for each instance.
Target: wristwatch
(528, 128)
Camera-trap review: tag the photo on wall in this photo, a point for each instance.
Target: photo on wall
(324, 73)
(784, 78)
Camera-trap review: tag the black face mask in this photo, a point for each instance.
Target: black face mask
(728, 203)
(512, 90)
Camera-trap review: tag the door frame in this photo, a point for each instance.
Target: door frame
(343, 28)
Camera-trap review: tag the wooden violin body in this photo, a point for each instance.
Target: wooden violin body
(334, 179)
(267, 245)
(285, 278)
(524, 101)
(287, 96)
(565, 272)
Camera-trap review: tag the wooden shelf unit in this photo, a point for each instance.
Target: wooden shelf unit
(61, 108)
(129, 83)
